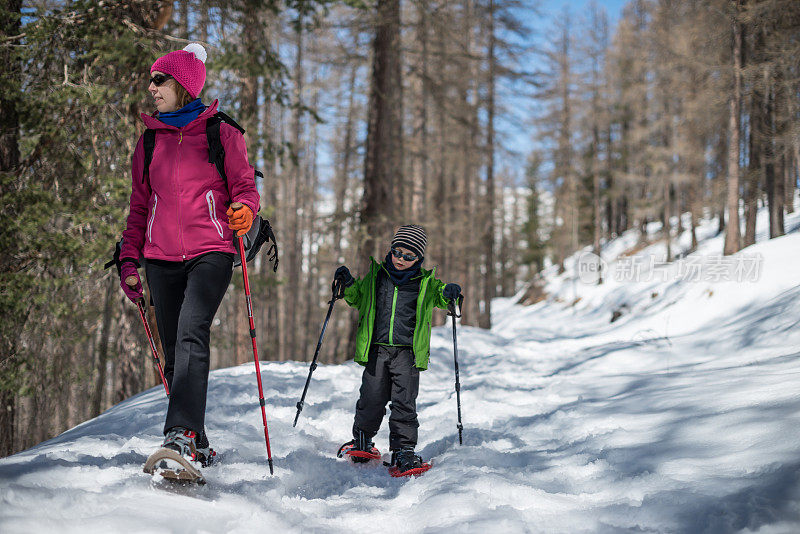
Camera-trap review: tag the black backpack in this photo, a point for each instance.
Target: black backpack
(261, 231)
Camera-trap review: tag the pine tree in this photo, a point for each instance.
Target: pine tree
(534, 254)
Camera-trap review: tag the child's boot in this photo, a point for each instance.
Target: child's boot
(360, 449)
(405, 460)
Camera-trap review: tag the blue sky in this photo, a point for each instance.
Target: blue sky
(550, 8)
(520, 137)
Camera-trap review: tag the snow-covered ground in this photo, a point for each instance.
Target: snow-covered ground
(681, 416)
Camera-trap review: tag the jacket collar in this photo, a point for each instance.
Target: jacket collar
(376, 266)
(154, 124)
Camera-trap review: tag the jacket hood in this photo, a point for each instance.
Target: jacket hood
(154, 124)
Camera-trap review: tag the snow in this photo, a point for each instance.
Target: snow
(681, 416)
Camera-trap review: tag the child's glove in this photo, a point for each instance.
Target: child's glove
(240, 218)
(343, 275)
(130, 282)
(451, 291)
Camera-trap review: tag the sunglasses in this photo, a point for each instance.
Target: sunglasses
(160, 79)
(408, 257)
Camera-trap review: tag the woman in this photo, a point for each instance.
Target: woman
(176, 222)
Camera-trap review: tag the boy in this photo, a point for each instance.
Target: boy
(395, 302)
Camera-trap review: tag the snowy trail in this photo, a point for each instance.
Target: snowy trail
(681, 417)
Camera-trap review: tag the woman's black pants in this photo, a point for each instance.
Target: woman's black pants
(186, 296)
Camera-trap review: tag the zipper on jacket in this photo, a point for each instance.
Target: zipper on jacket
(152, 218)
(177, 189)
(213, 213)
(391, 319)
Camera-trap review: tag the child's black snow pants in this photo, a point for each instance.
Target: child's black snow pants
(390, 374)
(186, 296)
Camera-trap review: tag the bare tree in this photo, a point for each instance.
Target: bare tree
(384, 149)
(732, 235)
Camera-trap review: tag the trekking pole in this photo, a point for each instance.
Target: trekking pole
(255, 350)
(453, 313)
(131, 281)
(337, 293)
(140, 304)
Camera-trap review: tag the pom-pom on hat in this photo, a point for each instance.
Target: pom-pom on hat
(412, 237)
(187, 66)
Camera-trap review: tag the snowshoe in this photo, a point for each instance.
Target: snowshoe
(406, 463)
(394, 471)
(172, 466)
(207, 457)
(177, 459)
(205, 454)
(360, 450)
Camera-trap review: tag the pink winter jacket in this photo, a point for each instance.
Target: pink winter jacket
(179, 213)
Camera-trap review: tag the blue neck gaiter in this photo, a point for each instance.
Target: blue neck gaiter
(401, 277)
(183, 116)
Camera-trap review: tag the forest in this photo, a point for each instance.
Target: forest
(515, 135)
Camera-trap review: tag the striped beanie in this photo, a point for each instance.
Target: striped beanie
(412, 237)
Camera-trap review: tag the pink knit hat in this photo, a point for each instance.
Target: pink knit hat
(187, 66)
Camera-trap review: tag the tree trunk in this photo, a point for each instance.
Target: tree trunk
(285, 189)
(248, 117)
(439, 196)
(341, 185)
(183, 26)
(464, 195)
(419, 173)
(384, 145)
(269, 196)
(311, 287)
(788, 181)
(96, 403)
(345, 323)
(732, 236)
(596, 198)
(293, 202)
(719, 182)
(11, 71)
(489, 290)
(794, 171)
(751, 185)
(774, 181)
(667, 215)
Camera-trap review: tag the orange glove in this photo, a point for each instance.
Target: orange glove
(240, 218)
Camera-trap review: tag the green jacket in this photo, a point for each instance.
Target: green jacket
(361, 295)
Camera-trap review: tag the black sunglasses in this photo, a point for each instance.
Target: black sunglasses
(160, 79)
(408, 257)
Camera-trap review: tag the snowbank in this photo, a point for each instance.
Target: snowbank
(681, 416)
